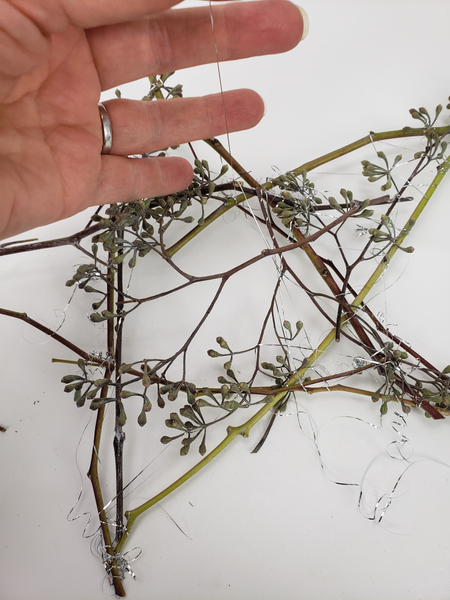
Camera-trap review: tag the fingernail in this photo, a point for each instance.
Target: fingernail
(305, 21)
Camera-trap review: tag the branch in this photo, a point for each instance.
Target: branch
(71, 240)
(24, 317)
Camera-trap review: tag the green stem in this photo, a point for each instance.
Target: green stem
(133, 514)
(365, 141)
(95, 482)
(442, 171)
(308, 166)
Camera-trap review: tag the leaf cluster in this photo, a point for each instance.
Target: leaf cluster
(386, 233)
(298, 197)
(436, 146)
(375, 172)
(350, 203)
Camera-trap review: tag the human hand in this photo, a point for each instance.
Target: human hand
(56, 56)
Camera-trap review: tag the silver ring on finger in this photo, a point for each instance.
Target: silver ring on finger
(106, 129)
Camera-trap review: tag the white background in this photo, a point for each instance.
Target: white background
(270, 525)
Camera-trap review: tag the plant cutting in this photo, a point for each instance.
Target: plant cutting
(305, 246)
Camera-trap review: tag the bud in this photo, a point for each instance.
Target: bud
(142, 418)
(287, 326)
(222, 343)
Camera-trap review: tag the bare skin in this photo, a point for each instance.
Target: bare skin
(56, 56)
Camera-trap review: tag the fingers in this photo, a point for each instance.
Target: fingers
(140, 127)
(160, 124)
(184, 37)
(126, 179)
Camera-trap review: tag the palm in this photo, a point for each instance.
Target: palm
(55, 59)
(54, 123)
